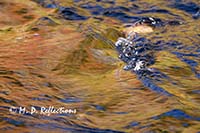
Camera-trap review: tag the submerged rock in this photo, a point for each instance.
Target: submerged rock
(138, 29)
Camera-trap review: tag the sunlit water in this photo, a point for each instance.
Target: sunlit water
(61, 53)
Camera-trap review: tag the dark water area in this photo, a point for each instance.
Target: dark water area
(63, 54)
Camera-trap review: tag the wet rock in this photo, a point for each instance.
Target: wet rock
(138, 29)
(146, 25)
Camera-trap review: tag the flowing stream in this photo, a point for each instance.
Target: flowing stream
(61, 54)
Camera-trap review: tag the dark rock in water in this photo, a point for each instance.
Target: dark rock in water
(70, 14)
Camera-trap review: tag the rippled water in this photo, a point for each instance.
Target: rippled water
(61, 53)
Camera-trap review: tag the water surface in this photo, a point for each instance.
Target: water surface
(60, 53)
